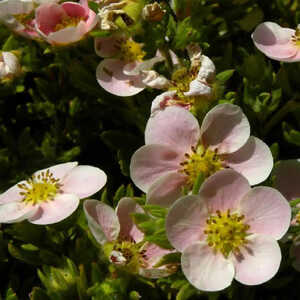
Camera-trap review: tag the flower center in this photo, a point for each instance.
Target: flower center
(201, 160)
(131, 51)
(25, 19)
(226, 232)
(40, 188)
(67, 21)
(296, 37)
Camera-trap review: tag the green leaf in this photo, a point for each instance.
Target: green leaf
(186, 292)
(11, 295)
(290, 134)
(171, 258)
(225, 75)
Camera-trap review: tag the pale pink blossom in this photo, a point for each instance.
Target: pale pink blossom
(228, 231)
(188, 87)
(123, 72)
(18, 15)
(122, 241)
(9, 65)
(276, 42)
(62, 24)
(50, 195)
(177, 150)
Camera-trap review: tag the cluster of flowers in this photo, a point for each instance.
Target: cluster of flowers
(223, 228)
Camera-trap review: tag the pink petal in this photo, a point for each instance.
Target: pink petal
(287, 174)
(74, 9)
(56, 210)
(226, 128)
(84, 181)
(12, 194)
(102, 221)
(107, 46)
(166, 189)
(16, 212)
(266, 211)
(175, 126)
(150, 162)
(274, 41)
(206, 270)
(48, 15)
(198, 88)
(224, 190)
(128, 230)
(259, 260)
(110, 76)
(67, 35)
(162, 101)
(253, 160)
(59, 171)
(186, 221)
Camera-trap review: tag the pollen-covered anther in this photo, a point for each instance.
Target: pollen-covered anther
(226, 232)
(131, 51)
(40, 188)
(200, 160)
(67, 21)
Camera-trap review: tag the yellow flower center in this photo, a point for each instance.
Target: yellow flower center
(226, 232)
(67, 21)
(24, 19)
(296, 37)
(40, 188)
(201, 160)
(131, 51)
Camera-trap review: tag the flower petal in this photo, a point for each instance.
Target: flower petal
(186, 221)
(160, 102)
(287, 174)
(151, 162)
(226, 128)
(12, 194)
(206, 270)
(224, 190)
(56, 210)
(84, 181)
(74, 9)
(258, 261)
(254, 160)
(175, 126)
(110, 76)
(59, 171)
(102, 221)
(128, 230)
(107, 46)
(166, 189)
(198, 88)
(266, 211)
(16, 212)
(274, 41)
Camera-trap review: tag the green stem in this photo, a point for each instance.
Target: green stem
(288, 107)
(198, 183)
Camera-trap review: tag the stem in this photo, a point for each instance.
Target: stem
(198, 183)
(288, 107)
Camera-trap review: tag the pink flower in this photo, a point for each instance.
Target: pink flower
(177, 150)
(122, 241)
(123, 72)
(276, 42)
(61, 24)
(50, 195)
(18, 15)
(228, 231)
(189, 87)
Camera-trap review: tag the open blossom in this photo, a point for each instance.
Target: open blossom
(278, 42)
(61, 24)
(228, 231)
(177, 150)
(50, 195)
(191, 86)
(18, 15)
(123, 72)
(9, 65)
(122, 240)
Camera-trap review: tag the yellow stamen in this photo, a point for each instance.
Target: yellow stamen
(67, 21)
(40, 188)
(226, 232)
(131, 51)
(200, 160)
